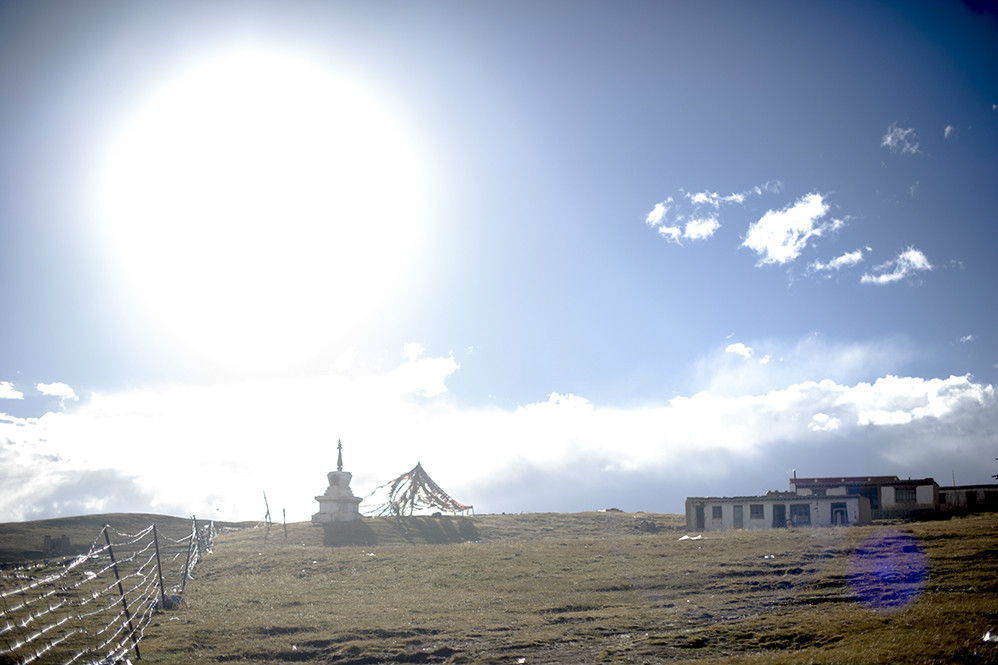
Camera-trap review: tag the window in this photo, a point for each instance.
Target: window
(756, 511)
(904, 495)
(715, 512)
(800, 514)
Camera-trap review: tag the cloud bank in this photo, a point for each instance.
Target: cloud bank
(213, 450)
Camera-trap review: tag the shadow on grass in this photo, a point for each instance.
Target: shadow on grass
(414, 530)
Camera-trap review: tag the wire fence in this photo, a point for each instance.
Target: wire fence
(94, 608)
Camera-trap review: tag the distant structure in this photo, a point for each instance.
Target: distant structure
(967, 499)
(338, 504)
(775, 510)
(414, 492)
(56, 546)
(889, 496)
(839, 501)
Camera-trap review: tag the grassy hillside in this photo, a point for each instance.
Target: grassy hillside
(24, 541)
(591, 588)
(588, 588)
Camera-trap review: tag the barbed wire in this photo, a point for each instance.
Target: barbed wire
(94, 606)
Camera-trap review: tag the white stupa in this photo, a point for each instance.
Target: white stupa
(338, 504)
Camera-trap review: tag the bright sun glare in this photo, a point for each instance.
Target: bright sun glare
(260, 206)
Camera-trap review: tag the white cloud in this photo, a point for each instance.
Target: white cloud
(60, 390)
(701, 229)
(422, 376)
(739, 349)
(696, 218)
(781, 235)
(909, 262)
(966, 339)
(949, 131)
(894, 400)
(704, 197)
(346, 360)
(811, 358)
(658, 212)
(673, 233)
(822, 422)
(563, 452)
(412, 350)
(901, 140)
(772, 187)
(695, 229)
(846, 260)
(7, 391)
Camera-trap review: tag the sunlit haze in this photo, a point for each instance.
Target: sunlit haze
(259, 206)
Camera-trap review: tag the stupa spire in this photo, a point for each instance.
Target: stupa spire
(339, 454)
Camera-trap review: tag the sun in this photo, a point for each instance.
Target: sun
(260, 206)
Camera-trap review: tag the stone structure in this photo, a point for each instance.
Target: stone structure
(338, 504)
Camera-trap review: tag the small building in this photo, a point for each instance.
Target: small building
(775, 510)
(968, 499)
(889, 496)
(337, 504)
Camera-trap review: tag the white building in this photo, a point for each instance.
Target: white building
(775, 510)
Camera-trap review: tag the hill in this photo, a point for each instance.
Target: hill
(591, 587)
(25, 541)
(588, 587)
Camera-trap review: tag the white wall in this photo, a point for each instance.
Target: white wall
(887, 498)
(821, 513)
(925, 496)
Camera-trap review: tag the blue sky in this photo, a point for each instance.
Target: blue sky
(568, 255)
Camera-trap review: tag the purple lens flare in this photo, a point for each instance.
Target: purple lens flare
(888, 571)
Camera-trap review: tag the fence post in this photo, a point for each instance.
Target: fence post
(121, 592)
(159, 568)
(190, 548)
(197, 535)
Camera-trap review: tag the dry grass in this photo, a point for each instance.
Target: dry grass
(589, 588)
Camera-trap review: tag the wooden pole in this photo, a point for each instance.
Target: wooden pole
(159, 568)
(190, 548)
(121, 592)
(266, 518)
(197, 535)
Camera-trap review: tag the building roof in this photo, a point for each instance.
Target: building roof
(859, 481)
(849, 480)
(773, 496)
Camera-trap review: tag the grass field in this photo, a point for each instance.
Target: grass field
(588, 588)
